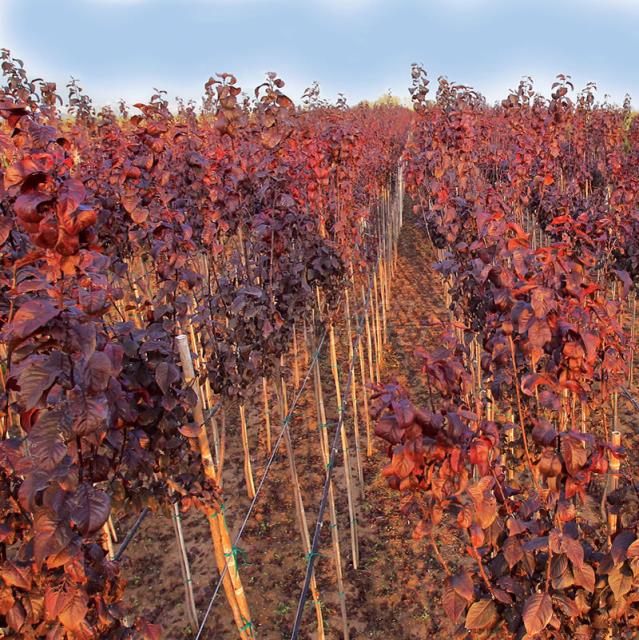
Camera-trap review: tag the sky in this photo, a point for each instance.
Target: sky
(362, 48)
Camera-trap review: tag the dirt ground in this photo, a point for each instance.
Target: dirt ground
(396, 591)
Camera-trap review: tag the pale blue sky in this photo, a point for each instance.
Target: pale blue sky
(123, 48)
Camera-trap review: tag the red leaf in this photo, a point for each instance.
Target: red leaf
(454, 604)
(166, 374)
(573, 549)
(45, 439)
(26, 205)
(584, 576)
(566, 605)
(531, 381)
(190, 430)
(70, 196)
(19, 171)
(15, 576)
(75, 610)
(484, 501)
(537, 613)
(54, 601)
(626, 281)
(621, 545)
(93, 302)
(37, 376)
(90, 508)
(6, 600)
(52, 535)
(30, 317)
(463, 585)
(79, 220)
(131, 204)
(481, 615)
(539, 333)
(98, 371)
(620, 580)
(402, 463)
(6, 224)
(17, 616)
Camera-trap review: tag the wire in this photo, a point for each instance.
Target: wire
(626, 393)
(329, 470)
(262, 480)
(132, 531)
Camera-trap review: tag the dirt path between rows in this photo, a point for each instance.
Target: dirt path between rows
(395, 592)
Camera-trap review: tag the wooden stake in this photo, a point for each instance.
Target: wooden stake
(345, 451)
(300, 512)
(267, 415)
(107, 543)
(325, 450)
(296, 369)
(222, 546)
(367, 418)
(185, 567)
(369, 344)
(351, 359)
(383, 298)
(631, 374)
(377, 325)
(206, 393)
(248, 470)
(613, 480)
(114, 535)
(306, 358)
(220, 469)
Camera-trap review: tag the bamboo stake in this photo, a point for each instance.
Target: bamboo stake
(345, 451)
(353, 390)
(217, 445)
(114, 535)
(377, 321)
(325, 450)
(381, 271)
(296, 369)
(613, 480)
(300, 512)
(374, 322)
(222, 547)
(267, 415)
(206, 393)
(367, 418)
(631, 374)
(248, 470)
(131, 311)
(107, 543)
(220, 469)
(191, 611)
(305, 353)
(369, 344)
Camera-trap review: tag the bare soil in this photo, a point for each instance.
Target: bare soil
(396, 592)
